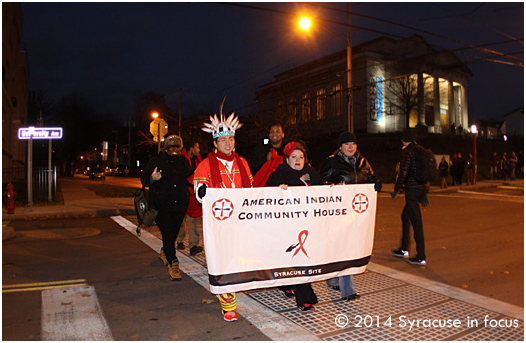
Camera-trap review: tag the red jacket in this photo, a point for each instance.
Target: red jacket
(194, 208)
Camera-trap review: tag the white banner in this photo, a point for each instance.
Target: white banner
(267, 237)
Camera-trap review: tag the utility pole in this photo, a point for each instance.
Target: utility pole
(350, 119)
(180, 108)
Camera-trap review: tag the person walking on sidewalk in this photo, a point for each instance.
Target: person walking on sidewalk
(470, 167)
(494, 166)
(442, 171)
(223, 169)
(513, 165)
(295, 171)
(347, 166)
(415, 193)
(166, 175)
(193, 219)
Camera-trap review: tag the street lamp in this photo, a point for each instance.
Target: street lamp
(305, 24)
(474, 131)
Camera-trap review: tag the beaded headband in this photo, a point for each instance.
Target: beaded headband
(219, 127)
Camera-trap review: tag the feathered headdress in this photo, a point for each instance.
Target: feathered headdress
(219, 127)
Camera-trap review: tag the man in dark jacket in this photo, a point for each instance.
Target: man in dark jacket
(347, 166)
(166, 175)
(263, 153)
(415, 193)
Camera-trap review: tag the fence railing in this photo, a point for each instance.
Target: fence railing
(40, 178)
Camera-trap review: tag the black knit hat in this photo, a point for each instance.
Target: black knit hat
(409, 136)
(347, 137)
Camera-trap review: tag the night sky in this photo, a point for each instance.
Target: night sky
(113, 52)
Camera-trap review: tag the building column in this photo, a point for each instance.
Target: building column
(436, 105)
(464, 108)
(421, 101)
(452, 109)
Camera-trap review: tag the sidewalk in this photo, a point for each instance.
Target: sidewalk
(79, 202)
(394, 305)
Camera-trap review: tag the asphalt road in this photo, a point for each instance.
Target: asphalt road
(474, 240)
(136, 297)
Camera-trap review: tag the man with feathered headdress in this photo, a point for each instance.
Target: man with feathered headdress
(223, 168)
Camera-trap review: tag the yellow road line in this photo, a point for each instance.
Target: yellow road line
(43, 285)
(42, 288)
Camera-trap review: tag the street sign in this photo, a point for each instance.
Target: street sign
(40, 132)
(157, 124)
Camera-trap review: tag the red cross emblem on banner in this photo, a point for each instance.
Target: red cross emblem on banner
(360, 203)
(222, 209)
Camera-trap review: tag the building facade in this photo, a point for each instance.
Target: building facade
(15, 87)
(395, 84)
(514, 122)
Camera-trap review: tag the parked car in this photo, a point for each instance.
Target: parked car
(97, 173)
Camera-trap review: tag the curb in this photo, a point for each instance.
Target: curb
(7, 233)
(70, 215)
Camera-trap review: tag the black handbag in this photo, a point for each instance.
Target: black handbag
(145, 214)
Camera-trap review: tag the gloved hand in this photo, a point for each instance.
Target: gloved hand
(425, 200)
(378, 186)
(156, 175)
(201, 191)
(394, 194)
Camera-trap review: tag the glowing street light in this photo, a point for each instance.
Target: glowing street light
(305, 23)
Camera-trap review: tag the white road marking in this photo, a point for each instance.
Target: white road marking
(270, 323)
(73, 314)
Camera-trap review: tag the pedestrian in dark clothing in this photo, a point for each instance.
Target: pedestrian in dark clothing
(470, 167)
(415, 193)
(453, 169)
(296, 171)
(494, 166)
(166, 175)
(459, 168)
(504, 166)
(520, 164)
(263, 152)
(194, 215)
(443, 168)
(347, 166)
(513, 165)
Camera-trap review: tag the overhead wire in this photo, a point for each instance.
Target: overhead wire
(467, 46)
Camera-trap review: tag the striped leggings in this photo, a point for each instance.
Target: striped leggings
(227, 301)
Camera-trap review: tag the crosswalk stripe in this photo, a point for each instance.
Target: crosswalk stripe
(73, 314)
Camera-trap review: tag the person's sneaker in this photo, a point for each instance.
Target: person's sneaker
(287, 294)
(305, 308)
(335, 288)
(418, 261)
(180, 246)
(401, 253)
(162, 256)
(195, 250)
(229, 316)
(352, 297)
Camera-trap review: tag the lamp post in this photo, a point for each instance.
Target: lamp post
(305, 24)
(474, 132)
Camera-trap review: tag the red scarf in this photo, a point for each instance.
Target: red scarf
(216, 175)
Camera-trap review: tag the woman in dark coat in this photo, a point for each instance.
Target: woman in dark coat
(166, 175)
(295, 171)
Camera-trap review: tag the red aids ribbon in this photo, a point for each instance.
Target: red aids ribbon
(301, 241)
